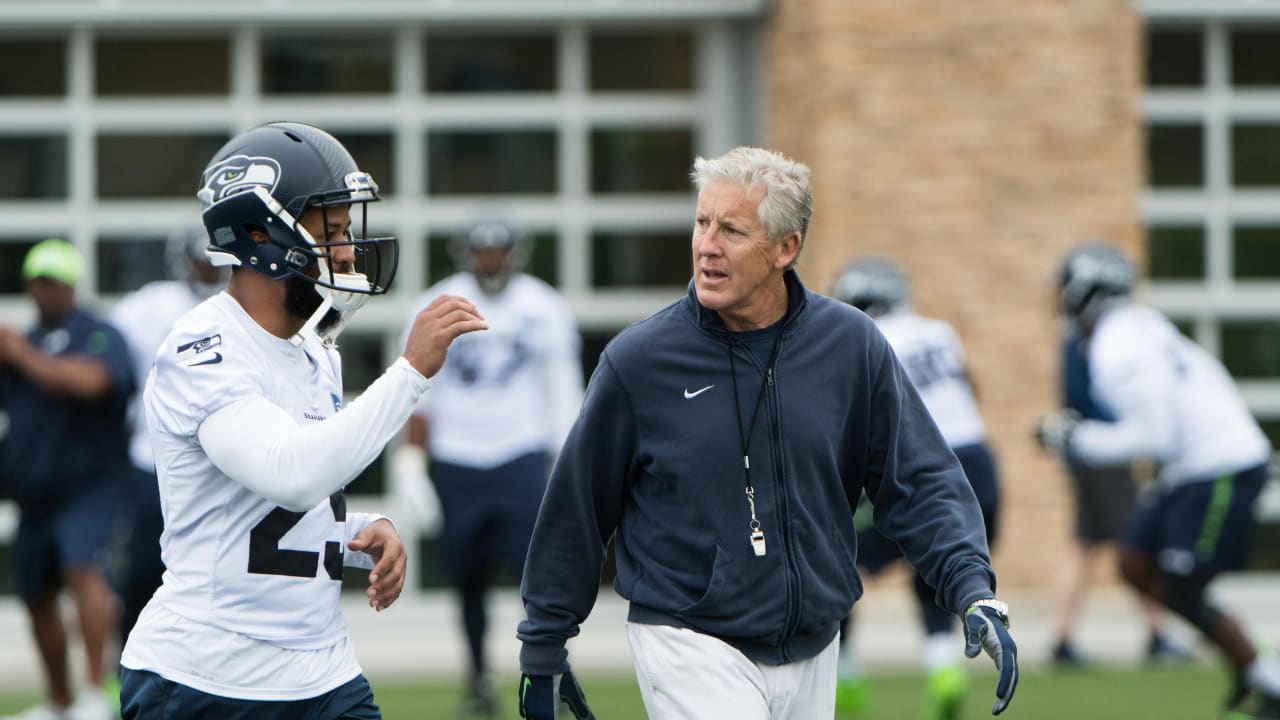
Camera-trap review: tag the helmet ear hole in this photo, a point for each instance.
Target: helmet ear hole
(259, 235)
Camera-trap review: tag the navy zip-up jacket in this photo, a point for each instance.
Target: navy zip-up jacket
(657, 465)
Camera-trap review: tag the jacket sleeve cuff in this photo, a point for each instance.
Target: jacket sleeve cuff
(543, 658)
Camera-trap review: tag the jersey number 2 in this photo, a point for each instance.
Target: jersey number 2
(267, 558)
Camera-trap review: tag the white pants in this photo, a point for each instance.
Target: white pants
(685, 675)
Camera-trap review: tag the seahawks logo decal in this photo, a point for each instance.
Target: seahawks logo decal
(237, 174)
(195, 351)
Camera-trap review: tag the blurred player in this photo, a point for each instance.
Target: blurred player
(253, 445)
(145, 317)
(1105, 498)
(66, 385)
(930, 352)
(1175, 404)
(495, 418)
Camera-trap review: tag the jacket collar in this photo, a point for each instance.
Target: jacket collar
(709, 320)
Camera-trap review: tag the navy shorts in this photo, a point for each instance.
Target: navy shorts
(488, 512)
(876, 552)
(145, 695)
(1200, 529)
(82, 532)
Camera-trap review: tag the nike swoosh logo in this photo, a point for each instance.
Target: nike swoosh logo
(524, 689)
(691, 395)
(217, 358)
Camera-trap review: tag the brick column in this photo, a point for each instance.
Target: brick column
(974, 142)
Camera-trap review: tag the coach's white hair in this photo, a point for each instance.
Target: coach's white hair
(788, 202)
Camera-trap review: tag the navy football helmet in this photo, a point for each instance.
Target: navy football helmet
(875, 286)
(1092, 278)
(264, 178)
(491, 233)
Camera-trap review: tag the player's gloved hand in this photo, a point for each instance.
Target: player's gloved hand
(541, 696)
(986, 627)
(1054, 430)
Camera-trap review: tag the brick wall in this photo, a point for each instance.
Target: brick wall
(975, 142)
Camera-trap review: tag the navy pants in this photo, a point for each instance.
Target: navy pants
(488, 518)
(147, 696)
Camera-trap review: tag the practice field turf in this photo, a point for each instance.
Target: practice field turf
(1185, 693)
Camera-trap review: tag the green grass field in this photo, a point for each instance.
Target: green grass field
(1185, 693)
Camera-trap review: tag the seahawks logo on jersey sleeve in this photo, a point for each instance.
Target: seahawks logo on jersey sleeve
(198, 352)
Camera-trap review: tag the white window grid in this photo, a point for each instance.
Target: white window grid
(1217, 205)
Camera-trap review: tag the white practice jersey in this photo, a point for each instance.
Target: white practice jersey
(145, 317)
(1173, 402)
(249, 607)
(511, 390)
(930, 352)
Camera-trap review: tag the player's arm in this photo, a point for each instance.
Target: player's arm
(256, 443)
(1140, 394)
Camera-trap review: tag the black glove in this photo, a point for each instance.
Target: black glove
(1054, 430)
(541, 695)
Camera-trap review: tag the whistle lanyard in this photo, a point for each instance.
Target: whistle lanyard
(744, 434)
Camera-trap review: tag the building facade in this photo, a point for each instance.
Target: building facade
(974, 142)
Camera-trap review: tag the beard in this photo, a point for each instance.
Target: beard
(301, 301)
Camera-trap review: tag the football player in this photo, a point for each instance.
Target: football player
(931, 354)
(496, 415)
(1173, 403)
(253, 445)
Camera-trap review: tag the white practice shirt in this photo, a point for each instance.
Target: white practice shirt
(930, 352)
(1173, 402)
(253, 449)
(511, 390)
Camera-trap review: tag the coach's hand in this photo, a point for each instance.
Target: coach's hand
(381, 542)
(986, 627)
(541, 695)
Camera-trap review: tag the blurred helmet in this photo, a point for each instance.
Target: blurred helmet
(491, 234)
(873, 285)
(264, 178)
(1092, 278)
(186, 254)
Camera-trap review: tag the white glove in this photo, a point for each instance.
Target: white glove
(1054, 430)
(417, 509)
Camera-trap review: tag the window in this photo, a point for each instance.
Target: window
(1175, 252)
(489, 63)
(1175, 155)
(326, 62)
(1251, 348)
(12, 253)
(35, 167)
(641, 258)
(1255, 155)
(498, 162)
(149, 166)
(1255, 57)
(641, 161)
(1175, 57)
(630, 61)
(162, 66)
(33, 67)
(374, 153)
(1256, 253)
(125, 264)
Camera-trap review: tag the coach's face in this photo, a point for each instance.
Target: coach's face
(737, 270)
